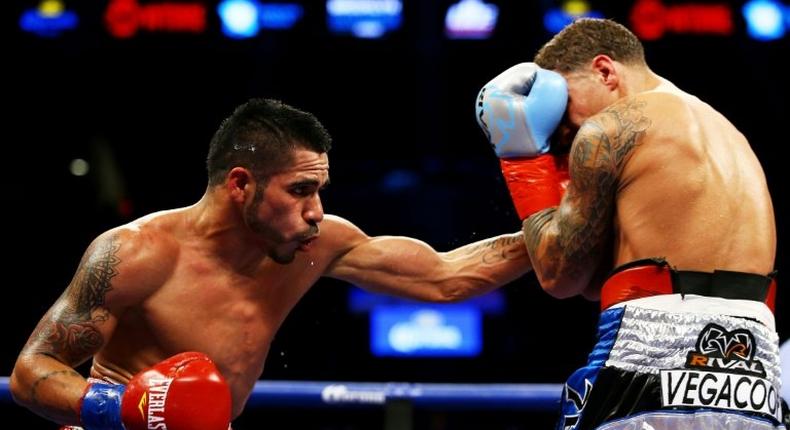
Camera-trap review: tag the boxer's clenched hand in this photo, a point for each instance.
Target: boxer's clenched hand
(183, 392)
(518, 111)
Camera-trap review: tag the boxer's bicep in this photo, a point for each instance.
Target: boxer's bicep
(566, 243)
(392, 264)
(411, 268)
(79, 322)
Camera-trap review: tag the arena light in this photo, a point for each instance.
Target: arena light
(79, 167)
(470, 19)
(239, 18)
(50, 19)
(764, 19)
(397, 180)
(124, 18)
(279, 16)
(556, 19)
(428, 331)
(361, 301)
(651, 19)
(364, 18)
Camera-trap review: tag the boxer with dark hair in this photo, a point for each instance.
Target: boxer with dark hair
(667, 196)
(177, 309)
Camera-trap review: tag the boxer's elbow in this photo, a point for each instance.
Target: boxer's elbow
(562, 279)
(561, 287)
(29, 371)
(16, 384)
(558, 291)
(453, 295)
(16, 390)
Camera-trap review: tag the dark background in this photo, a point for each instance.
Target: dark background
(402, 105)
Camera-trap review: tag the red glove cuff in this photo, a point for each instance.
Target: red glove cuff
(533, 183)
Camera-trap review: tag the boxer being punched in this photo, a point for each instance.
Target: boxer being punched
(218, 278)
(667, 196)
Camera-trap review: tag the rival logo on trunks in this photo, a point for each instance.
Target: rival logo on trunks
(745, 393)
(155, 397)
(725, 351)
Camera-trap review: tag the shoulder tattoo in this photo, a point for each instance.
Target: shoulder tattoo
(69, 331)
(600, 150)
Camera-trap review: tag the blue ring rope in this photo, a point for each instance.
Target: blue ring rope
(317, 394)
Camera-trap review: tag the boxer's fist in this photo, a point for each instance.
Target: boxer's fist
(518, 111)
(520, 108)
(184, 392)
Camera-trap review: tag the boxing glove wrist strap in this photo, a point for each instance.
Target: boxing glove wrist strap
(101, 407)
(532, 182)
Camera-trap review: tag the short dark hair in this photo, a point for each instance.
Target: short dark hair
(260, 135)
(579, 42)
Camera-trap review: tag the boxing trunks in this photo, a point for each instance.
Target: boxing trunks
(679, 350)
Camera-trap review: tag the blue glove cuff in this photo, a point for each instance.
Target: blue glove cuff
(101, 407)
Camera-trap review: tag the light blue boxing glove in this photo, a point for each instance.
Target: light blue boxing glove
(520, 108)
(518, 111)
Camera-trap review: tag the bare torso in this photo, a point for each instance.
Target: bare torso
(220, 276)
(693, 191)
(207, 305)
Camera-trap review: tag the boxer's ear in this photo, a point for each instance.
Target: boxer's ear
(240, 184)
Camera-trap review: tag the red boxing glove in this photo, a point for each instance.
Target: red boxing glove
(533, 182)
(184, 392)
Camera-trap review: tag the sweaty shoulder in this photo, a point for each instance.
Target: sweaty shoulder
(138, 256)
(606, 141)
(684, 130)
(338, 236)
(666, 107)
(655, 126)
(676, 113)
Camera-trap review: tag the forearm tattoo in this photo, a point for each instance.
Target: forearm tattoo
(41, 379)
(496, 250)
(583, 222)
(533, 228)
(69, 331)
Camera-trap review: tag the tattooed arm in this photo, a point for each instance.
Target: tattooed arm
(410, 268)
(76, 326)
(568, 243)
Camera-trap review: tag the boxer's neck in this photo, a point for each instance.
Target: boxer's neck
(217, 222)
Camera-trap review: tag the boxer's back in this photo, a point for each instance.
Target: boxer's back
(693, 191)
